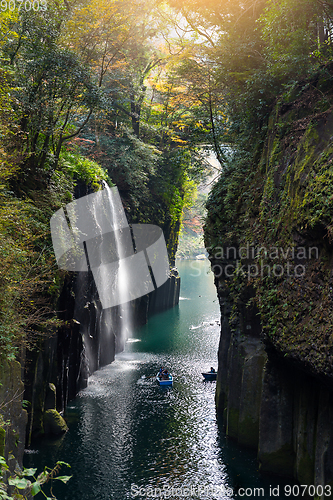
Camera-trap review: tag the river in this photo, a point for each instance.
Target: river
(130, 438)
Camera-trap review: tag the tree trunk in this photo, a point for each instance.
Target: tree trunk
(135, 112)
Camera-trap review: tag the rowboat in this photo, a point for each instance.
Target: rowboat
(209, 375)
(164, 382)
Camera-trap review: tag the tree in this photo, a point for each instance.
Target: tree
(116, 39)
(295, 33)
(55, 94)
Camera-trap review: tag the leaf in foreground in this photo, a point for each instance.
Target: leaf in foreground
(64, 479)
(35, 488)
(20, 483)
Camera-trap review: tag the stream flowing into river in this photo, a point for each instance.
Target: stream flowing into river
(130, 438)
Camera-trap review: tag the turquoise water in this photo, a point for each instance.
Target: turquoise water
(130, 438)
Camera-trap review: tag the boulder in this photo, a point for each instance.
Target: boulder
(54, 423)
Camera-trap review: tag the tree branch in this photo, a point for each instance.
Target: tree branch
(194, 28)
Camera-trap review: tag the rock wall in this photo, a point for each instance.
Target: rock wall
(268, 403)
(166, 296)
(270, 239)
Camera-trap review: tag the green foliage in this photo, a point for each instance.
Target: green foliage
(245, 56)
(128, 161)
(53, 93)
(25, 484)
(25, 270)
(79, 167)
(87, 69)
(290, 30)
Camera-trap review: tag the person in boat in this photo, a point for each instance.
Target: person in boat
(165, 374)
(212, 370)
(161, 370)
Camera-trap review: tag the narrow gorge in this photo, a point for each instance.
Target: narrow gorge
(211, 122)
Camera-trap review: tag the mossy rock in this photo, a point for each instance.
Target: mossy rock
(54, 423)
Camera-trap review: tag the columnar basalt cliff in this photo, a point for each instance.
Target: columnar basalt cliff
(269, 235)
(88, 338)
(272, 405)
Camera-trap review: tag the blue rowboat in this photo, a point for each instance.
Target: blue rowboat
(209, 375)
(164, 382)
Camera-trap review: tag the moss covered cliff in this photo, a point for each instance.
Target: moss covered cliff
(269, 235)
(271, 212)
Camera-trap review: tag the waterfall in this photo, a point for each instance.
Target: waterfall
(123, 279)
(94, 238)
